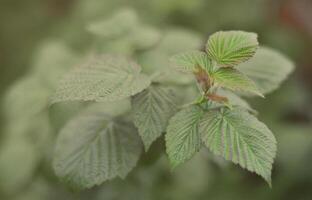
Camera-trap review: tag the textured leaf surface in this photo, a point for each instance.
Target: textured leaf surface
(152, 109)
(268, 68)
(239, 137)
(93, 148)
(104, 78)
(229, 48)
(190, 61)
(234, 80)
(183, 138)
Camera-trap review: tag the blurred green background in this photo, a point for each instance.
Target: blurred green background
(39, 37)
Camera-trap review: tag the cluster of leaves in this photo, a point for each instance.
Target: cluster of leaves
(101, 143)
(31, 125)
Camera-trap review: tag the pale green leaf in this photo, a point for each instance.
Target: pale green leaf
(239, 137)
(121, 45)
(117, 25)
(229, 48)
(25, 98)
(18, 162)
(190, 61)
(141, 38)
(144, 37)
(156, 60)
(152, 109)
(52, 60)
(36, 129)
(61, 113)
(171, 76)
(232, 79)
(179, 40)
(104, 78)
(38, 189)
(182, 137)
(94, 147)
(126, 190)
(268, 69)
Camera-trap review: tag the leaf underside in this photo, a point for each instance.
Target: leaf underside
(239, 137)
(152, 109)
(93, 148)
(104, 78)
(268, 69)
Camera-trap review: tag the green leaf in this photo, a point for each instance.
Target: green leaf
(190, 61)
(239, 137)
(183, 138)
(104, 78)
(170, 76)
(119, 24)
(94, 147)
(52, 60)
(268, 68)
(229, 48)
(152, 109)
(127, 189)
(156, 60)
(232, 79)
(18, 163)
(179, 40)
(144, 37)
(25, 98)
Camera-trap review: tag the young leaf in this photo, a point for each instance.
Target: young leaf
(229, 48)
(152, 109)
(239, 137)
(190, 61)
(95, 147)
(182, 137)
(105, 78)
(268, 68)
(232, 79)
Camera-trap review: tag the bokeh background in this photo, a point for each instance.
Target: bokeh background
(38, 37)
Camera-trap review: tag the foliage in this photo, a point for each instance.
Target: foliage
(138, 87)
(227, 130)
